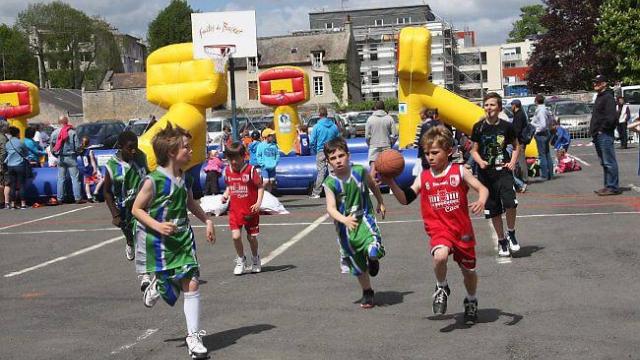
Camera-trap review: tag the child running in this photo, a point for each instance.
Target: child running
(165, 240)
(349, 204)
(443, 200)
(244, 191)
(125, 171)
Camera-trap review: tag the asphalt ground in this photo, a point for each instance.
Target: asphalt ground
(68, 292)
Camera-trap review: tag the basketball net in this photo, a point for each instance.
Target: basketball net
(219, 54)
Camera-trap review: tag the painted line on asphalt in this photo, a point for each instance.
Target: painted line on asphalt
(580, 160)
(140, 338)
(494, 237)
(297, 237)
(44, 218)
(66, 257)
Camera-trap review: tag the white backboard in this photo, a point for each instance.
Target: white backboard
(220, 28)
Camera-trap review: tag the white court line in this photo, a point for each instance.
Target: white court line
(44, 218)
(297, 237)
(494, 237)
(580, 160)
(145, 335)
(61, 258)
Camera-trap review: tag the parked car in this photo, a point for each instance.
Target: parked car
(347, 123)
(360, 120)
(215, 125)
(575, 116)
(138, 126)
(102, 134)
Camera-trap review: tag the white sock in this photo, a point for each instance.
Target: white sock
(442, 284)
(511, 230)
(256, 258)
(192, 311)
(471, 297)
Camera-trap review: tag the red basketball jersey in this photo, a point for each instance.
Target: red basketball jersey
(243, 188)
(443, 201)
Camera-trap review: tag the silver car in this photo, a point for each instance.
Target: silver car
(574, 116)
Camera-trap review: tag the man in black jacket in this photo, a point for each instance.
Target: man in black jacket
(603, 123)
(519, 123)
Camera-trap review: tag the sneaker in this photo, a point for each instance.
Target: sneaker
(91, 200)
(470, 311)
(194, 345)
(256, 267)
(151, 294)
(314, 196)
(514, 246)
(129, 252)
(81, 201)
(241, 264)
(523, 189)
(440, 297)
(367, 299)
(23, 207)
(609, 191)
(145, 281)
(503, 248)
(344, 265)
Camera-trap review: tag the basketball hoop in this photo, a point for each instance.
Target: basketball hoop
(219, 54)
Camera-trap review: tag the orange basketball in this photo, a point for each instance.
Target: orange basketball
(390, 163)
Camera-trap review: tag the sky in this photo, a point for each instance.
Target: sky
(490, 19)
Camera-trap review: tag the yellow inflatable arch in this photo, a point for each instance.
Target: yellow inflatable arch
(19, 101)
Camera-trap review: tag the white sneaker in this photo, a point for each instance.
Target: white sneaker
(241, 264)
(514, 246)
(129, 252)
(344, 265)
(503, 249)
(151, 294)
(194, 345)
(145, 281)
(314, 196)
(257, 266)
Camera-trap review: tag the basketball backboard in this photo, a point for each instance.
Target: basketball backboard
(220, 28)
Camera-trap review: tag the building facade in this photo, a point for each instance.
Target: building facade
(133, 52)
(376, 31)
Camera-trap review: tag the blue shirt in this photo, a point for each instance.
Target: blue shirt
(305, 146)
(563, 138)
(325, 130)
(268, 155)
(253, 150)
(34, 150)
(16, 152)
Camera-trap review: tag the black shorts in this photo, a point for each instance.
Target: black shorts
(502, 194)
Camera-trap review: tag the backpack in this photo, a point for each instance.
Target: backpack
(527, 134)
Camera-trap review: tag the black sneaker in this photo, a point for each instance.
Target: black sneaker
(367, 299)
(470, 311)
(374, 267)
(514, 246)
(440, 297)
(503, 248)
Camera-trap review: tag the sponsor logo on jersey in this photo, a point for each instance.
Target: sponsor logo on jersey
(454, 180)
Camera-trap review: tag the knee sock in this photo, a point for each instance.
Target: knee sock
(192, 311)
(442, 284)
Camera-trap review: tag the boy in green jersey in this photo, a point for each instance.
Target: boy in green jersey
(125, 171)
(348, 203)
(165, 243)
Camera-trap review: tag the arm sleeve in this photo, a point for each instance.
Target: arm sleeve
(475, 133)
(610, 111)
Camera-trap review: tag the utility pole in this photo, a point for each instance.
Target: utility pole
(40, 67)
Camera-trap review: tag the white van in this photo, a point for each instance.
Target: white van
(631, 96)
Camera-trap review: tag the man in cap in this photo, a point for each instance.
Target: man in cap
(603, 123)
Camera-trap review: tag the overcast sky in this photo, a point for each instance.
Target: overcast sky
(491, 19)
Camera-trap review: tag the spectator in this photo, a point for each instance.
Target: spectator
(302, 141)
(604, 120)
(624, 115)
(34, 150)
(16, 169)
(429, 120)
(542, 120)
(635, 127)
(40, 136)
(519, 124)
(380, 134)
(561, 139)
(65, 147)
(268, 155)
(226, 138)
(88, 167)
(213, 169)
(253, 148)
(4, 177)
(324, 131)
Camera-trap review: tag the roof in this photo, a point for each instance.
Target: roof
(395, 8)
(128, 80)
(279, 50)
(68, 99)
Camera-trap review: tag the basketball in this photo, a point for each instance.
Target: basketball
(390, 163)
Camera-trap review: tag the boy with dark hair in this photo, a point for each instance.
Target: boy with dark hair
(443, 199)
(165, 240)
(244, 191)
(349, 204)
(490, 137)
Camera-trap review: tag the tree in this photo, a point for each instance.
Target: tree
(566, 57)
(69, 41)
(618, 35)
(16, 61)
(528, 24)
(171, 26)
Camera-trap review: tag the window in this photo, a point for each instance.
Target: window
(375, 79)
(509, 64)
(318, 85)
(363, 78)
(252, 64)
(373, 56)
(316, 59)
(378, 22)
(375, 96)
(373, 51)
(483, 57)
(404, 20)
(252, 90)
(328, 25)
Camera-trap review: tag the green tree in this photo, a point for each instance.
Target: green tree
(171, 26)
(618, 34)
(528, 24)
(16, 61)
(72, 43)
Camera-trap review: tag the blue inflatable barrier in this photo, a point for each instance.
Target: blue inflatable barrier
(294, 175)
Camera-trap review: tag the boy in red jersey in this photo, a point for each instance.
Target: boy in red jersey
(443, 200)
(244, 190)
